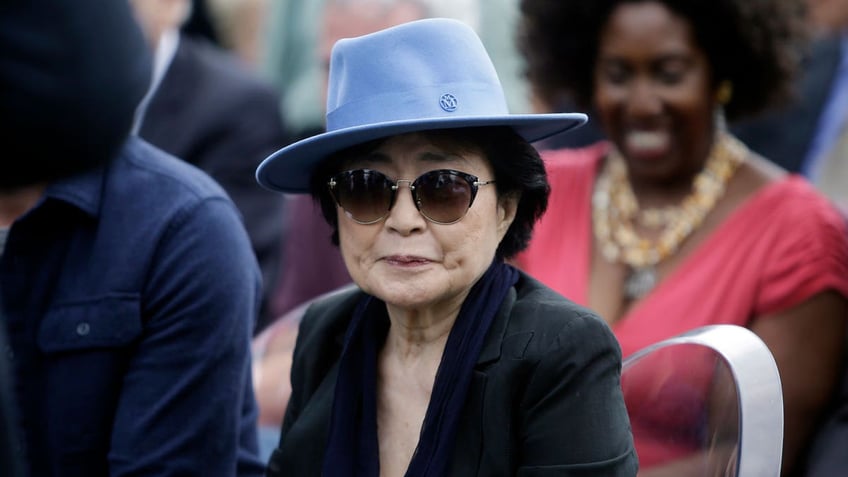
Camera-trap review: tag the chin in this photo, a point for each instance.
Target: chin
(412, 295)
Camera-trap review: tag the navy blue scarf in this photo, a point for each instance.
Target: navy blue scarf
(352, 447)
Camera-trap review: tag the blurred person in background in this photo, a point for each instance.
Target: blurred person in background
(675, 224)
(241, 27)
(209, 109)
(128, 283)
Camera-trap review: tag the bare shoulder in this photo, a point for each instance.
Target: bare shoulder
(758, 172)
(764, 170)
(754, 175)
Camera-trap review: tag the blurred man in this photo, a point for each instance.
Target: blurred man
(206, 108)
(128, 283)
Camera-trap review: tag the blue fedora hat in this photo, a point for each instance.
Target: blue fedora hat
(426, 74)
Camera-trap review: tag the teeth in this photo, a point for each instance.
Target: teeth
(646, 140)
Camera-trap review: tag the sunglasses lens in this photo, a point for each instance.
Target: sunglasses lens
(364, 195)
(444, 196)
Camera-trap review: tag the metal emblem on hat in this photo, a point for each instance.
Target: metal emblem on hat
(448, 102)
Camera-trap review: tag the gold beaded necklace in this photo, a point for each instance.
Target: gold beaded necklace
(615, 210)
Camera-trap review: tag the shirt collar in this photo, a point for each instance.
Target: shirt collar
(83, 191)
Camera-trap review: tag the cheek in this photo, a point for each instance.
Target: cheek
(602, 98)
(698, 111)
(608, 102)
(476, 242)
(355, 242)
(695, 95)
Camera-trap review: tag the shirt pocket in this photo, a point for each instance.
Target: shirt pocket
(87, 348)
(108, 322)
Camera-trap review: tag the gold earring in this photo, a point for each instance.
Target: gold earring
(724, 92)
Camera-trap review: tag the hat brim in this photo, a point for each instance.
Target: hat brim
(290, 168)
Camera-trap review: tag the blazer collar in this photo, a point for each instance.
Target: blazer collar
(497, 332)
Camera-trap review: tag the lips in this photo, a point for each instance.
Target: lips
(406, 260)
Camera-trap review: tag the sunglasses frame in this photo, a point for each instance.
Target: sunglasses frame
(473, 183)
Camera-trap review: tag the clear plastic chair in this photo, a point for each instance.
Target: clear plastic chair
(706, 403)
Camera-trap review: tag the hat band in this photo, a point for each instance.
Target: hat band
(422, 104)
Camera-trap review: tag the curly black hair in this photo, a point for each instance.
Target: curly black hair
(516, 165)
(754, 44)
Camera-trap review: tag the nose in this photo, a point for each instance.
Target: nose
(404, 216)
(643, 100)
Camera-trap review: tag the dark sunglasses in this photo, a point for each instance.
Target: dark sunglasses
(442, 196)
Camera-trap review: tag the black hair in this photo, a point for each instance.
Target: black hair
(754, 44)
(517, 169)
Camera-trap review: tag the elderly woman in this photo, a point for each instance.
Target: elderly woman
(444, 360)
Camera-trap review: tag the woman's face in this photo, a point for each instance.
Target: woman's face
(653, 92)
(408, 261)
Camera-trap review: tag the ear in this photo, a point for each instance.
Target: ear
(507, 208)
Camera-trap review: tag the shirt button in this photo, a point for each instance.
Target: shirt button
(83, 328)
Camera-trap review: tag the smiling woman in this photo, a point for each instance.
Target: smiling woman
(673, 224)
(444, 360)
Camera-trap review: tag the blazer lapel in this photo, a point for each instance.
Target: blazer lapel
(471, 432)
(168, 100)
(493, 345)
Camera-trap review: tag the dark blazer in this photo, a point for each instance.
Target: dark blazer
(211, 112)
(545, 398)
(784, 136)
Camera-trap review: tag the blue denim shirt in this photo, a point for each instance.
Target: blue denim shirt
(130, 293)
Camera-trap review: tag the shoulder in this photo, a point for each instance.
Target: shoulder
(148, 173)
(557, 324)
(806, 243)
(323, 325)
(320, 339)
(799, 207)
(797, 224)
(330, 312)
(150, 194)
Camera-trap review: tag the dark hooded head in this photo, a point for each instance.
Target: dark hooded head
(71, 76)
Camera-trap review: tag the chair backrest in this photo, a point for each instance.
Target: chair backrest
(706, 403)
